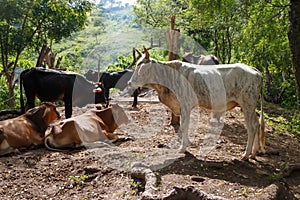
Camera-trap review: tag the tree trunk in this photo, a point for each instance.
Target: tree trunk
(10, 85)
(294, 41)
(172, 38)
(44, 51)
(11, 101)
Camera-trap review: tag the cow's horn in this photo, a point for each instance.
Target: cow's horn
(147, 53)
(138, 51)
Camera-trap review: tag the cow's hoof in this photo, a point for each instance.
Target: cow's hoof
(182, 149)
(134, 105)
(245, 158)
(262, 151)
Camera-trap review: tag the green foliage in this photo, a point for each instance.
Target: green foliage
(156, 13)
(159, 54)
(26, 25)
(4, 95)
(112, 42)
(287, 125)
(295, 125)
(122, 63)
(78, 179)
(63, 17)
(264, 45)
(235, 31)
(36, 22)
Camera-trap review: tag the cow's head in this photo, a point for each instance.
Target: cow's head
(50, 112)
(142, 67)
(99, 93)
(45, 113)
(62, 135)
(99, 87)
(91, 75)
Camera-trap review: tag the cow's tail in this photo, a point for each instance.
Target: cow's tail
(21, 93)
(261, 125)
(52, 148)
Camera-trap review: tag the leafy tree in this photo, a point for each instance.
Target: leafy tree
(214, 27)
(157, 13)
(254, 32)
(26, 25)
(294, 41)
(264, 44)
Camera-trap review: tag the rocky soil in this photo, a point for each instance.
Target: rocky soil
(145, 163)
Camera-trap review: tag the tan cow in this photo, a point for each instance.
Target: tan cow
(92, 126)
(28, 129)
(182, 86)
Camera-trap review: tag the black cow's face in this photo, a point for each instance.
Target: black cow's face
(99, 87)
(99, 93)
(91, 75)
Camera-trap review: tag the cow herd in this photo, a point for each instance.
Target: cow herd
(180, 85)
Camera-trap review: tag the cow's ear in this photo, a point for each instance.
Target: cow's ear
(46, 110)
(146, 53)
(139, 52)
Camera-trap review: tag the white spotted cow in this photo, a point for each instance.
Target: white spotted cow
(182, 86)
(199, 60)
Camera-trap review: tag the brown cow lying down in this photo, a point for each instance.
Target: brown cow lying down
(92, 126)
(27, 129)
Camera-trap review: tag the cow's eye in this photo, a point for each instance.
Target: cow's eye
(141, 70)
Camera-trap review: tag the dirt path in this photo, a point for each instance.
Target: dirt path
(146, 164)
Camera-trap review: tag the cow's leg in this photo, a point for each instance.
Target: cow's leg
(68, 110)
(183, 130)
(135, 96)
(107, 93)
(252, 130)
(30, 93)
(175, 121)
(30, 98)
(68, 105)
(29, 104)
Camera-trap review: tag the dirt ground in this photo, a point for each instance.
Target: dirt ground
(145, 163)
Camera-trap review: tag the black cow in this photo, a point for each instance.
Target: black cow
(117, 80)
(200, 60)
(51, 85)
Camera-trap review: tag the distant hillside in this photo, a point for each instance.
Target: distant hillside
(111, 32)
